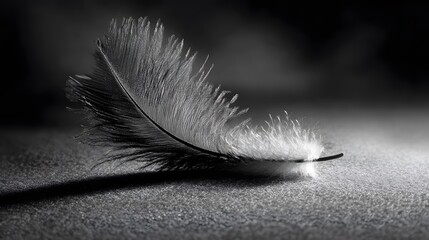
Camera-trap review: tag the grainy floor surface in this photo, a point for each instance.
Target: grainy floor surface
(378, 190)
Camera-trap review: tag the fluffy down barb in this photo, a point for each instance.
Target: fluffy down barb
(146, 102)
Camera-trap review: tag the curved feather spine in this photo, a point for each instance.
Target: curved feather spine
(141, 111)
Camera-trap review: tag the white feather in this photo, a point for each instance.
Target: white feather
(145, 91)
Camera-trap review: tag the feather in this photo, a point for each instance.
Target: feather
(147, 104)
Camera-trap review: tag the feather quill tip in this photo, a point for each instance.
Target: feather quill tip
(286, 169)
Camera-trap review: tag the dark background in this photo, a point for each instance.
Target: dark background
(266, 51)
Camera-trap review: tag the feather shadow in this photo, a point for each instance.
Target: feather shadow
(132, 180)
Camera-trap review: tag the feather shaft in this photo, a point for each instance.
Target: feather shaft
(119, 82)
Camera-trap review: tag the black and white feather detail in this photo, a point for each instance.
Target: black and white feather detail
(146, 103)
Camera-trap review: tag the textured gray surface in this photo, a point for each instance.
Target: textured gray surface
(378, 190)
